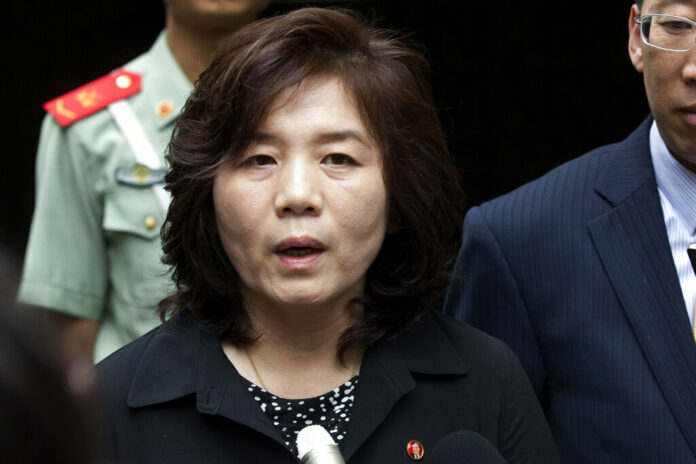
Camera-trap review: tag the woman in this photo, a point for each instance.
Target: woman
(314, 216)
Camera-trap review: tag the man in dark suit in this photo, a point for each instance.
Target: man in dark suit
(585, 274)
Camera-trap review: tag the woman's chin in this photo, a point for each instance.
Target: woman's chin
(315, 293)
(301, 300)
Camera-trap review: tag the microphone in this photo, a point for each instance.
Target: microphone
(465, 447)
(315, 446)
(692, 255)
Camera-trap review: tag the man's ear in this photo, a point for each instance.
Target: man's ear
(635, 42)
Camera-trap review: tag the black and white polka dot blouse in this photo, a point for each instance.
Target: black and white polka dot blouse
(330, 410)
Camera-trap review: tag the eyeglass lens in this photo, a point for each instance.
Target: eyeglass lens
(669, 32)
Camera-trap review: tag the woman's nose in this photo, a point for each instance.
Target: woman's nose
(298, 188)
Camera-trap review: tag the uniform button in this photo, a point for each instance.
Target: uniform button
(164, 109)
(123, 81)
(150, 222)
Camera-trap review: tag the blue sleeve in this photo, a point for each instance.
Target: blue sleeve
(485, 293)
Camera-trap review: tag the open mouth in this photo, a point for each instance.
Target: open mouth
(299, 252)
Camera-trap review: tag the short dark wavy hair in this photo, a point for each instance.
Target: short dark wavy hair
(390, 84)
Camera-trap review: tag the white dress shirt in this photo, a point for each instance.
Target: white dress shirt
(677, 188)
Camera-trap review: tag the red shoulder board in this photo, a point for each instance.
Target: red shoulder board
(93, 97)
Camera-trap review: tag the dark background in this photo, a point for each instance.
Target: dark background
(521, 88)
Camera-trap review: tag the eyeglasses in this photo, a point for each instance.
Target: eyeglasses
(667, 32)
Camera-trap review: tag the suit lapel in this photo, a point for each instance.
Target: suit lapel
(633, 246)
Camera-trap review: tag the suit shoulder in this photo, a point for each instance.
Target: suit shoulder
(477, 346)
(576, 171)
(558, 199)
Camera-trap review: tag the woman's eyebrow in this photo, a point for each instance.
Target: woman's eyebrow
(340, 136)
(264, 137)
(324, 137)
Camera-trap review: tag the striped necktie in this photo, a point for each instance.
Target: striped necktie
(692, 256)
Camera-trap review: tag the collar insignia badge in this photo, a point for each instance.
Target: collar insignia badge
(164, 109)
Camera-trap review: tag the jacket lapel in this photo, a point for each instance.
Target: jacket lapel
(386, 375)
(632, 243)
(222, 391)
(384, 379)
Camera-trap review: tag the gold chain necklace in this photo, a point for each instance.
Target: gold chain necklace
(258, 376)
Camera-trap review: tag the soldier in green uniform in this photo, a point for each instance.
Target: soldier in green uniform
(93, 257)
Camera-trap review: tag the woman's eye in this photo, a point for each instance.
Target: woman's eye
(258, 160)
(338, 159)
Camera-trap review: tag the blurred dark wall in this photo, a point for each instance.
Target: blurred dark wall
(521, 89)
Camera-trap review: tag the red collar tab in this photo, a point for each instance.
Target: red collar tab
(93, 97)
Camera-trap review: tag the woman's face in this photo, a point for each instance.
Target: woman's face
(302, 213)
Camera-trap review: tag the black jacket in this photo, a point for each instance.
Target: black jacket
(172, 396)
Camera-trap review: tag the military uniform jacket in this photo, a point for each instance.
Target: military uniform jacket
(173, 396)
(94, 249)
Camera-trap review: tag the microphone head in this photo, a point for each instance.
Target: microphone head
(315, 446)
(465, 446)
